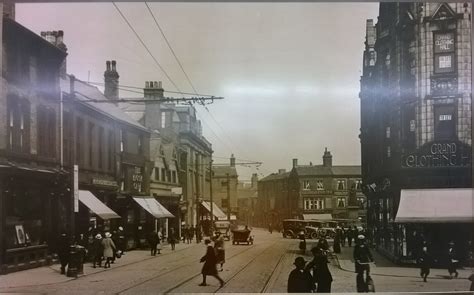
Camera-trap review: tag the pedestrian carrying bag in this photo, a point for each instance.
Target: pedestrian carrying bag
(370, 284)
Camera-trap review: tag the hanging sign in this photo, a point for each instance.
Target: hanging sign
(76, 188)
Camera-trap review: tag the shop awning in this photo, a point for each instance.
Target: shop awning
(153, 207)
(321, 216)
(96, 206)
(218, 213)
(435, 205)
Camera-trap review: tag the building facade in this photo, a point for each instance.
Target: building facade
(311, 192)
(416, 121)
(224, 188)
(34, 202)
(247, 201)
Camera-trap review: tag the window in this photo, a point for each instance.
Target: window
(163, 174)
(46, 132)
(358, 185)
(157, 173)
(18, 124)
(140, 145)
(341, 202)
(445, 126)
(319, 185)
(110, 154)
(122, 140)
(163, 119)
(341, 185)
(412, 125)
(101, 147)
(174, 177)
(313, 204)
(306, 185)
(444, 52)
(387, 132)
(224, 203)
(68, 137)
(360, 202)
(91, 144)
(168, 175)
(389, 152)
(80, 140)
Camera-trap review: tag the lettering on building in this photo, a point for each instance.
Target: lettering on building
(433, 155)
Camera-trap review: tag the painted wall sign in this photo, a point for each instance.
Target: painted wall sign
(104, 182)
(438, 155)
(444, 42)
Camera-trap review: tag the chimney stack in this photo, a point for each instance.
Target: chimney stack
(153, 90)
(232, 161)
(327, 158)
(281, 171)
(295, 163)
(8, 9)
(254, 180)
(57, 39)
(111, 80)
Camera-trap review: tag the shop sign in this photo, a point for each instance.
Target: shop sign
(439, 155)
(104, 182)
(137, 179)
(444, 42)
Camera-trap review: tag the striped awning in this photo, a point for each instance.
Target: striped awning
(153, 207)
(95, 205)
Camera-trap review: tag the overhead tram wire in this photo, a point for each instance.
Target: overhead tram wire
(186, 75)
(157, 63)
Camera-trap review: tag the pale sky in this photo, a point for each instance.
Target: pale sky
(289, 72)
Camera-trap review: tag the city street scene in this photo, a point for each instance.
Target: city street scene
(161, 147)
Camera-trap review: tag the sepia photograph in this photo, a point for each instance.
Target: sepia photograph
(236, 147)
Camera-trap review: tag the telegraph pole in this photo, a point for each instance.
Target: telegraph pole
(210, 193)
(228, 196)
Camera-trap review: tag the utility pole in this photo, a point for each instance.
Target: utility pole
(228, 196)
(210, 193)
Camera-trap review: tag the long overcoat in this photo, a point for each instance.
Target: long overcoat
(210, 261)
(109, 247)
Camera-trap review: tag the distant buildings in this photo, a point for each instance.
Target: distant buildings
(247, 201)
(312, 192)
(224, 188)
(416, 132)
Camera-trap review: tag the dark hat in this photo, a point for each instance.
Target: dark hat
(299, 260)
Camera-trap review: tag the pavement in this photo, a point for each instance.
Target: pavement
(49, 275)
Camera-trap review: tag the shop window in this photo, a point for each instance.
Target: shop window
(444, 121)
(341, 202)
(341, 185)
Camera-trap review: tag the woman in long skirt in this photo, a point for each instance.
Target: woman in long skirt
(209, 268)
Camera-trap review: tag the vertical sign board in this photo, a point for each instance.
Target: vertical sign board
(76, 188)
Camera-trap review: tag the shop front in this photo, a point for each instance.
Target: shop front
(435, 217)
(34, 209)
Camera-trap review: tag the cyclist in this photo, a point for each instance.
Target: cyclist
(362, 258)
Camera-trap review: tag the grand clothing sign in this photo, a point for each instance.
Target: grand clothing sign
(439, 154)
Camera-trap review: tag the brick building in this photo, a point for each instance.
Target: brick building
(416, 127)
(312, 192)
(33, 208)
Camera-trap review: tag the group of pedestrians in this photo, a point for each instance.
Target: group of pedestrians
(314, 276)
(188, 233)
(95, 246)
(215, 255)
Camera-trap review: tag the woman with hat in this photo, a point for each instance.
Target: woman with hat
(362, 258)
(321, 274)
(109, 249)
(300, 280)
(97, 250)
(209, 268)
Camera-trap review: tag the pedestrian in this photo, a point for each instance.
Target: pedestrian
(362, 258)
(300, 279)
(424, 261)
(191, 233)
(63, 250)
(185, 234)
(355, 235)
(109, 249)
(121, 240)
(172, 239)
(209, 268)
(160, 241)
(97, 251)
(337, 241)
(270, 228)
(323, 244)
(321, 274)
(452, 261)
(349, 236)
(220, 250)
(343, 236)
(471, 278)
(153, 241)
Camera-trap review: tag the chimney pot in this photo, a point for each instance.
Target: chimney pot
(114, 63)
(107, 63)
(295, 163)
(147, 84)
(159, 85)
(43, 34)
(155, 84)
(60, 33)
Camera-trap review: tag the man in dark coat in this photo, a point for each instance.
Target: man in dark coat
(321, 274)
(424, 261)
(210, 260)
(337, 240)
(362, 258)
(452, 261)
(63, 250)
(172, 238)
(121, 240)
(153, 240)
(97, 251)
(300, 280)
(349, 236)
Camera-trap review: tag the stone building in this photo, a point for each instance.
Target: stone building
(180, 178)
(247, 201)
(416, 128)
(324, 191)
(224, 188)
(33, 207)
